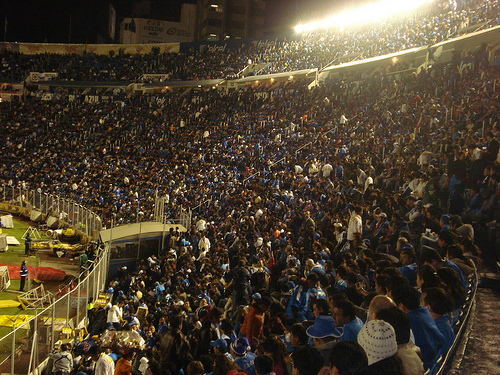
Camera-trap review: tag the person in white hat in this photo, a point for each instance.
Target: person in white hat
(378, 339)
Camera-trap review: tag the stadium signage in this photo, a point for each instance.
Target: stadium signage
(158, 100)
(154, 28)
(211, 47)
(47, 96)
(155, 77)
(214, 48)
(36, 76)
(265, 43)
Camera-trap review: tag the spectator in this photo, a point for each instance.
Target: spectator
(427, 336)
(408, 352)
(348, 358)
(104, 364)
(242, 356)
(378, 339)
(324, 334)
(62, 360)
(440, 304)
(253, 324)
(345, 317)
(306, 361)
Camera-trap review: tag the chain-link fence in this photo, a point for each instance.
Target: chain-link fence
(50, 210)
(50, 318)
(46, 318)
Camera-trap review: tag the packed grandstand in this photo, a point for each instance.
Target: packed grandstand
(321, 212)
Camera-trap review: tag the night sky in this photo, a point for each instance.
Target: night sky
(49, 20)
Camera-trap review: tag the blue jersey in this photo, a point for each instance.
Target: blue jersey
(300, 300)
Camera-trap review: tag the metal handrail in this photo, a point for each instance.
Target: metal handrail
(458, 337)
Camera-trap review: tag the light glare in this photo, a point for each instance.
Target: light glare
(365, 14)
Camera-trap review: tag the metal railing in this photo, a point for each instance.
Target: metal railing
(61, 209)
(65, 314)
(33, 335)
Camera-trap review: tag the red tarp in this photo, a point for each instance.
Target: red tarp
(39, 273)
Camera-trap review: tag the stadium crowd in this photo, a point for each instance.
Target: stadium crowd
(335, 228)
(439, 21)
(320, 209)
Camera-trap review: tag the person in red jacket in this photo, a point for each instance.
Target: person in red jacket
(253, 324)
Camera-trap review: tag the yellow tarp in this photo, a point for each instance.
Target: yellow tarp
(9, 303)
(9, 320)
(52, 245)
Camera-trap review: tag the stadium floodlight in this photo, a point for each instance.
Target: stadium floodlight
(364, 14)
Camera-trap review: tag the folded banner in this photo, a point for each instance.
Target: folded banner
(39, 273)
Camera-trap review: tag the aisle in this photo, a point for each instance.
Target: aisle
(482, 353)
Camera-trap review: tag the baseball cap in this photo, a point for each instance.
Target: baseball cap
(256, 296)
(240, 346)
(220, 344)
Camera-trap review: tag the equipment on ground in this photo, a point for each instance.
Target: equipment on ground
(4, 245)
(4, 278)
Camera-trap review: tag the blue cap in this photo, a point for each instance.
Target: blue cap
(220, 344)
(324, 326)
(240, 346)
(445, 219)
(256, 296)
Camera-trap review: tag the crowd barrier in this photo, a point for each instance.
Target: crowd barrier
(32, 336)
(49, 209)
(50, 317)
(460, 328)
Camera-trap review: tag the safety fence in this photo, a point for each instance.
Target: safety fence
(51, 211)
(460, 328)
(46, 317)
(62, 316)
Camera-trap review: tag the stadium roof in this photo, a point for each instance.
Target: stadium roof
(184, 84)
(61, 83)
(381, 60)
(297, 73)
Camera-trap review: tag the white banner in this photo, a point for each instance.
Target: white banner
(155, 77)
(47, 76)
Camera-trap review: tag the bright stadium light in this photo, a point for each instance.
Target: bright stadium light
(361, 15)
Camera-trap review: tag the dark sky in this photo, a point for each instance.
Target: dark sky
(49, 20)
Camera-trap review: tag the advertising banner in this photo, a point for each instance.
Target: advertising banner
(46, 76)
(98, 49)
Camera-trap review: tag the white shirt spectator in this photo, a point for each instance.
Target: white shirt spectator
(204, 244)
(327, 170)
(201, 225)
(355, 226)
(115, 314)
(104, 365)
(368, 182)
